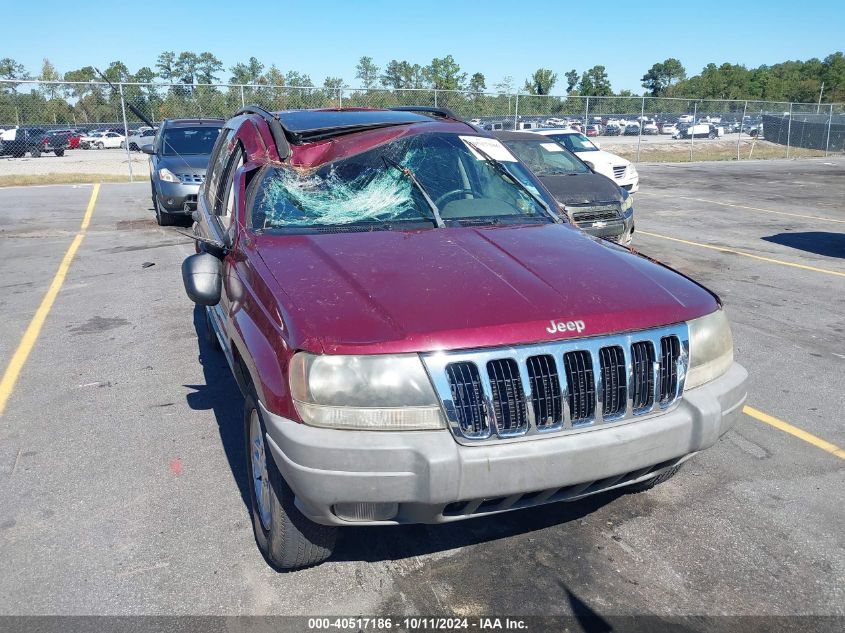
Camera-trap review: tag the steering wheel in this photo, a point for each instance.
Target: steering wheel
(449, 194)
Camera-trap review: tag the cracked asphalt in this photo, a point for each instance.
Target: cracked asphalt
(122, 473)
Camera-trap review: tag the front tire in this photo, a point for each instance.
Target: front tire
(285, 536)
(60, 152)
(100, 146)
(36, 153)
(163, 218)
(133, 147)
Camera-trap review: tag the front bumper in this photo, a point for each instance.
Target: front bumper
(173, 196)
(433, 479)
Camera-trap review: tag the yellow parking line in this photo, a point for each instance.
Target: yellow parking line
(10, 376)
(833, 449)
(741, 206)
(724, 249)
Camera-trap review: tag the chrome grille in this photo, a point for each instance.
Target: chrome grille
(613, 380)
(642, 358)
(581, 384)
(619, 171)
(191, 179)
(670, 350)
(545, 391)
(508, 397)
(594, 213)
(559, 386)
(467, 395)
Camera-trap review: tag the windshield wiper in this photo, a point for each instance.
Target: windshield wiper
(501, 169)
(438, 221)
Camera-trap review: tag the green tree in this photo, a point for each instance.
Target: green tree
(444, 73)
(367, 72)
(166, 64)
(477, 83)
(12, 70)
(541, 82)
(571, 80)
(50, 74)
(662, 76)
(208, 67)
(594, 83)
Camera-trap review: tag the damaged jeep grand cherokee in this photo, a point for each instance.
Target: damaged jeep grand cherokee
(420, 339)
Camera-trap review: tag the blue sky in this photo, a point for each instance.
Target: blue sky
(327, 37)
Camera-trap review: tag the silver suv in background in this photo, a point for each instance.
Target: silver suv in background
(178, 160)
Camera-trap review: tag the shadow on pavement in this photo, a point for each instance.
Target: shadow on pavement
(221, 395)
(818, 242)
(373, 544)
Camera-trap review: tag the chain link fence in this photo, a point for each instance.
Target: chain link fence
(638, 128)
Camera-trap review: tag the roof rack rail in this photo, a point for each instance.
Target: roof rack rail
(277, 130)
(445, 113)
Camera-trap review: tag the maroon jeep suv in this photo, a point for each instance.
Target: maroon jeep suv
(421, 338)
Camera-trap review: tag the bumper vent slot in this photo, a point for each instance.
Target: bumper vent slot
(613, 380)
(545, 391)
(467, 395)
(670, 351)
(582, 389)
(508, 396)
(642, 361)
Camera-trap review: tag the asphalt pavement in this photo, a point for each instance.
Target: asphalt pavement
(122, 473)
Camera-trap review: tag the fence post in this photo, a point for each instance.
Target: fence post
(829, 123)
(243, 102)
(741, 123)
(587, 111)
(340, 98)
(640, 136)
(516, 112)
(692, 136)
(125, 132)
(435, 97)
(788, 129)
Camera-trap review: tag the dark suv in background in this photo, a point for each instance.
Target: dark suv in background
(18, 141)
(178, 160)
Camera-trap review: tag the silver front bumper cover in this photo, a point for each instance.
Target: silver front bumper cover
(434, 479)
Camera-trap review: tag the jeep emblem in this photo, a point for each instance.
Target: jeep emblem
(568, 326)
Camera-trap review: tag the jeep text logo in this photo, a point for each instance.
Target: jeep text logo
(569, 326)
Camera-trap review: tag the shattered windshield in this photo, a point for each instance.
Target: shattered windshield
(398, 183)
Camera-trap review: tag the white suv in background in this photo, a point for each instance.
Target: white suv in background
(618, 169)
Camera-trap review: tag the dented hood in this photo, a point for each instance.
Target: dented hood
(453, 288)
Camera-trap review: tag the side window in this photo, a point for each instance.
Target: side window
(225, 208)
(217, 165)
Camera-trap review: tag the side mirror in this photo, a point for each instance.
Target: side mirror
(148, 149)
(203, 279)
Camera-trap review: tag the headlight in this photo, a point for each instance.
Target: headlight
(627, 202)
(166, 175)
(711, 349)
(384, 393)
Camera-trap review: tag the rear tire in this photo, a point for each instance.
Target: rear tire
(285, 536)
(648, 484)
(36, 153)
(60, 152)
(100, 146)
(133, 147)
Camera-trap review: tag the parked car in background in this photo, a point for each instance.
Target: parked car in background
(618, 169)
(668, 128)
(145, 136)
(592, 130)
(89, 139)
(632, 129)
(20, 140)
(556, 122)
(420, 340)
(56, 141)
(178, 162)
(650, 128)
(697, 130)
(612, 129)
(593, 202)
(110, 140)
